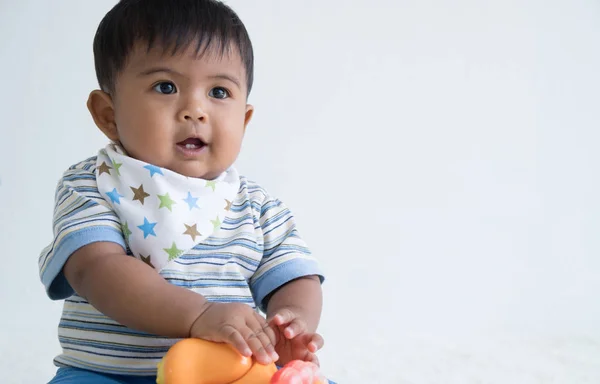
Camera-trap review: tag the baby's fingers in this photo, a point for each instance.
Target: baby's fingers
(296, 327)
(283, 316)
(268, 331)
(312, 358)
(259, 343)
(316, 343)
(235, 338)
(266, 338)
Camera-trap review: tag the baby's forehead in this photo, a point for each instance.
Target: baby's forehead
(225, 56)
(213, 51)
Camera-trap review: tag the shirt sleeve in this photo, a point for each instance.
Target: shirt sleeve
(81, 217)
(285, 256)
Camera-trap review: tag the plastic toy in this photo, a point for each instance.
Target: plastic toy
(196, 361)
(299, 372)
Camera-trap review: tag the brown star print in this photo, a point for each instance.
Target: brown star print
(146, 259)
(228, 206)
(104, 168)
(192, 231)
(139, 194)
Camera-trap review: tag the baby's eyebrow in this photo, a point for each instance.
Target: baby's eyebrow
(225, 76)
(151, 71)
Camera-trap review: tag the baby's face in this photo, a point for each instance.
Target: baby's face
(181, 112)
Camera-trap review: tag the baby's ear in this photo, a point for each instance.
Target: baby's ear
(101, 108)
(249, 113)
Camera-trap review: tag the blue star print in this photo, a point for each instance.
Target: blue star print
(191, 201)
(148, 228)
(153, 169)
(114, 196)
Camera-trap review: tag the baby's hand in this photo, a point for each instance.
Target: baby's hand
(293, 340)
(238, 325)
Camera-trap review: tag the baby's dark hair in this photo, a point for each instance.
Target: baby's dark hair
(172, 25)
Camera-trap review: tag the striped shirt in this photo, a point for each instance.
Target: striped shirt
(256, 250)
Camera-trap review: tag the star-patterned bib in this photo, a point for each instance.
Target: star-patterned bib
(163, 214)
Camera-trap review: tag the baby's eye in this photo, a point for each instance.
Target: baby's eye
(219, 93)
(165, 87)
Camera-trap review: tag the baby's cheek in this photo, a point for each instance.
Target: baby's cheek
(229, 144)
(150, 149)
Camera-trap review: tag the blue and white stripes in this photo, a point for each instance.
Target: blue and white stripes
(256, 250)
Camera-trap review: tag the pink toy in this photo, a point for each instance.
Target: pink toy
(299, 372)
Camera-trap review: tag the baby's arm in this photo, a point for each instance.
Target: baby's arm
(287, 285)
(304, 298)
(294, 312)
(132, 293)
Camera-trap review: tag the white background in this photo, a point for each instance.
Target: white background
(441, 158)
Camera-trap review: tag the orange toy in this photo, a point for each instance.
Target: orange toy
(196, 361)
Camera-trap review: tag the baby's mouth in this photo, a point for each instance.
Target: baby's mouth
(191, 143)
(192, 147)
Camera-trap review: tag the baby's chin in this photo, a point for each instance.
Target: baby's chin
(189, 168)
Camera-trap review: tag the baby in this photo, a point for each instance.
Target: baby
(157, 237)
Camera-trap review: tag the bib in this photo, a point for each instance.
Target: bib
(163, 214)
